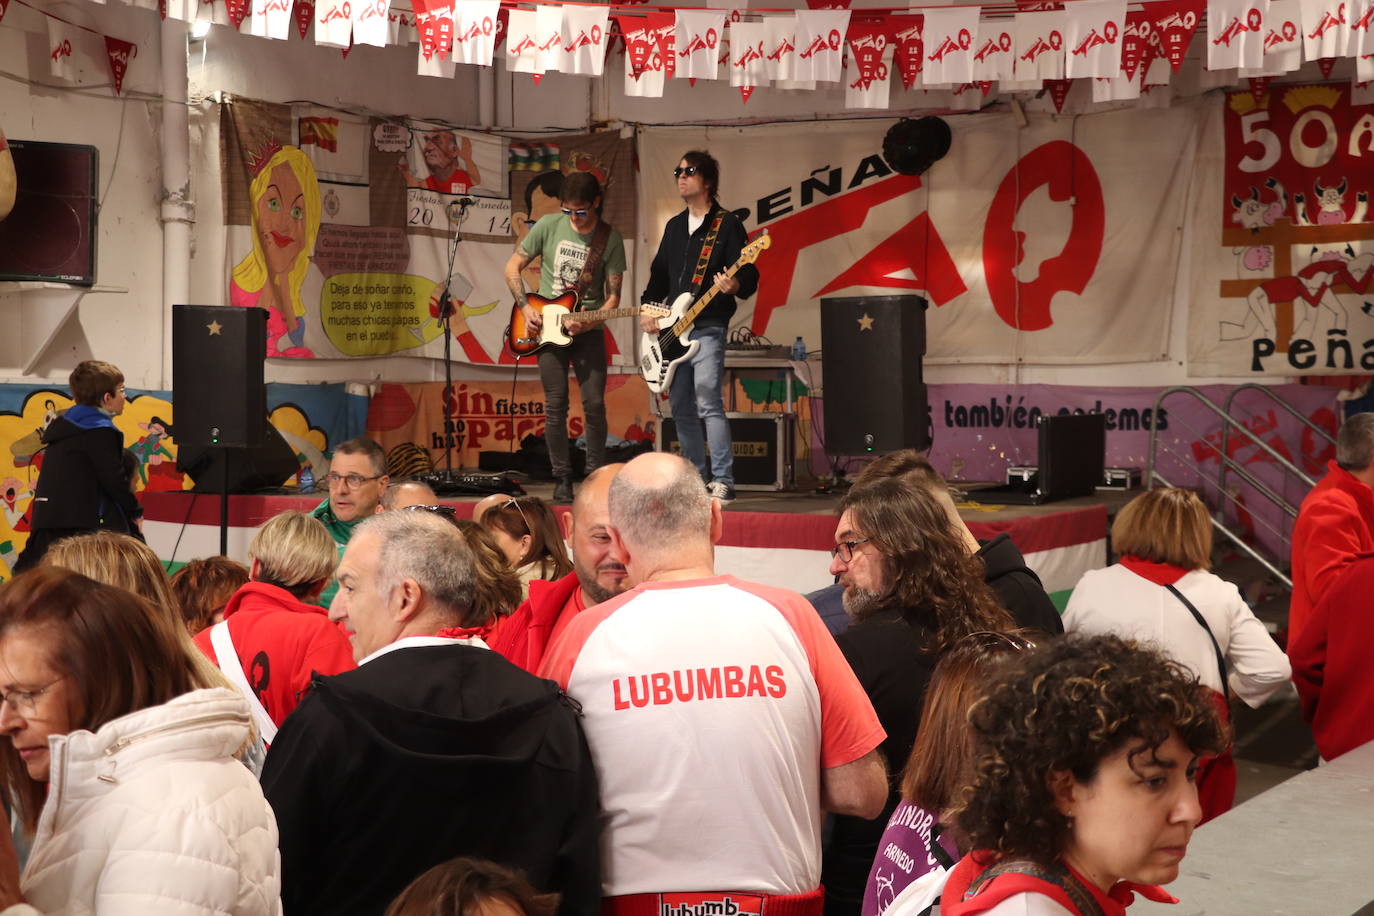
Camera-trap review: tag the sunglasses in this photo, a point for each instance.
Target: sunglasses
(688, 170)
(580, 214)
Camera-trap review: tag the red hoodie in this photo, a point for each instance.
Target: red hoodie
(280, 640)
(1330, 659)
(526, 635)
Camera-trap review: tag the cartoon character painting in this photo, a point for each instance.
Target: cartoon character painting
(284, 198)
(151, 448)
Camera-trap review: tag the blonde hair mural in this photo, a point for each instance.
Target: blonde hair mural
(284, 202)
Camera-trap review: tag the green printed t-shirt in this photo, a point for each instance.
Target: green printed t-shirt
(562, 252)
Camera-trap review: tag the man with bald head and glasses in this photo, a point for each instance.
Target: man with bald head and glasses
(357, 481)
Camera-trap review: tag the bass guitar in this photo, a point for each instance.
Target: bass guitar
(553, 314)
(662, 352)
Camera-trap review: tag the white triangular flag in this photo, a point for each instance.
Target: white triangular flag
(1039, 45)
(993, 54)
(1093, 38)
(475, 28)
(949, 36)
(521, 48)
(820, 44)
(698, 38)
(1235, 33)
(584, 39)
(1325, 28)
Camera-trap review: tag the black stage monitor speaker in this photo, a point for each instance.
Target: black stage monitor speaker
(218, 394)
(50, 234)
(260, 467)
(871, 353)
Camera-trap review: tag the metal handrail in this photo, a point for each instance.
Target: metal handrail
(1269, 393)
(1226, 462)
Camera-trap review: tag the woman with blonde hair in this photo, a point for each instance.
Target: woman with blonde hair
(273, 635)
(118, 766)
(284, 207)
(1161, 592)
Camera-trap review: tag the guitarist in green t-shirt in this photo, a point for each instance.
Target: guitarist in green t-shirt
(582, 254)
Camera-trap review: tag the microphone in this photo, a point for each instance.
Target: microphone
(466, 201)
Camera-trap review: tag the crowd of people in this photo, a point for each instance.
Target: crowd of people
(474, 719)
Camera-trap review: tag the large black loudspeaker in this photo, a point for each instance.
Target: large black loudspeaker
(243, 470)
(871, 353)
(218, 393)
(50, 234)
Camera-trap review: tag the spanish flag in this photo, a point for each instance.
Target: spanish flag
(322, 132)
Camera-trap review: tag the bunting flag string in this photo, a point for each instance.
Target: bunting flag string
(1013, 45)
(118, 52)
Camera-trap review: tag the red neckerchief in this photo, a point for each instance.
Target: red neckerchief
(481, 632)
(1158, 573)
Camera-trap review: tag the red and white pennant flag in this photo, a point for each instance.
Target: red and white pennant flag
(585, 37)
(1175, 24)
(522, 48)
(994, 53)
(1039, 45)
(1093, 38)
(868, 72)
(748, 56)
(949, 36)
(699, 34)
(119, 53)
(476, 26)
(820, 44)
(1325, 28)
(660, 31)
(1235, 33)
(334, 22)
(908, 47)
(1282, 40)
(270, 19)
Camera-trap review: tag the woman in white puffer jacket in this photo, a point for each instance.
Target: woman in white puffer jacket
(123, 772)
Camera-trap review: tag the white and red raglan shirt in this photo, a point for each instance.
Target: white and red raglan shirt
(711, 707)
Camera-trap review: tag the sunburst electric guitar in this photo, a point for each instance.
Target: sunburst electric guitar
(662, 352)
(554, 313)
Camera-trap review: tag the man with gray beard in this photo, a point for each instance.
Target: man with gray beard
(911, 589)
(524, 636)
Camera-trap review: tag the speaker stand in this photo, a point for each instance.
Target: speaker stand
(446, 310)
(224, 504)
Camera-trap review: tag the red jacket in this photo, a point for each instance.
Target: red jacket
(1331, 663)
(523, 637)
(280, 640)
(1333, 526)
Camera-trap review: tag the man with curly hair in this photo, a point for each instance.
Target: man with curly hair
(911, 589)
(1081, 788)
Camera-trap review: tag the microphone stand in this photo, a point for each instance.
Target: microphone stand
(445, 321)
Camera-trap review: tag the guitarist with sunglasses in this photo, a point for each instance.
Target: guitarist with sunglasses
(698, 245)
(578, 251)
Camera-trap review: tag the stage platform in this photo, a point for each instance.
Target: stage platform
(781, 538)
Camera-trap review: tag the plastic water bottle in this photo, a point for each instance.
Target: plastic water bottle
(306, 480)
(799, 350)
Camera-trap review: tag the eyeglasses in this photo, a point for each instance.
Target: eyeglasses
(845, 549)
(688, 170)
(353, 480)
(25, 702)
(577, 213)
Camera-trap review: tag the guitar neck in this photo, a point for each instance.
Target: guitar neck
(628, 311)
(684, 324)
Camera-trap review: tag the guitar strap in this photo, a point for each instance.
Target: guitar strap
(600, 236)
(708, 245)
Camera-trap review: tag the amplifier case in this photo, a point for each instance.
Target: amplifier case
(763, 447)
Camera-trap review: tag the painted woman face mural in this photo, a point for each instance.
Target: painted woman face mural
(281, 220)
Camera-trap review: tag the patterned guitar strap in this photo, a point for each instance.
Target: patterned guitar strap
(708, 246)
(600, 235)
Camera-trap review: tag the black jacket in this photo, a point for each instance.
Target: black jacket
(82, 484)
(889, 657)
(1018, 587)
(422, 755)
(670, 274)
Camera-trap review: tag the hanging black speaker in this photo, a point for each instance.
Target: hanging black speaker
(871, 353)
(911, 147)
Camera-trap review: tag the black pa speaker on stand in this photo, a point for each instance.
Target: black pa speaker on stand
(220, 401)
(872, 348)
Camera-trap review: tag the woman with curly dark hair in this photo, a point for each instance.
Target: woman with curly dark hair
(911, 590)
(1082, 785)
